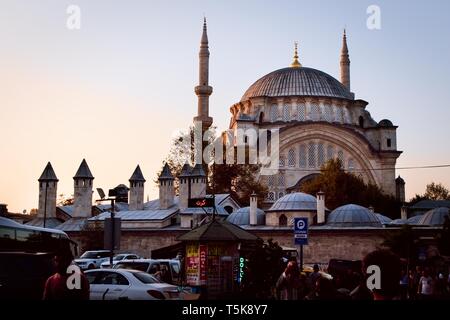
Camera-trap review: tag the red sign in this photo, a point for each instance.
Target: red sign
(203, 256)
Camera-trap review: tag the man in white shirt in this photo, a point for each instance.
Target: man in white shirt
(426, 285)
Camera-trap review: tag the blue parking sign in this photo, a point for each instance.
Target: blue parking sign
(301, 231)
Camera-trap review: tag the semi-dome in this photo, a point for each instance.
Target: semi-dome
(297, 201)
(385, 123)
(352, 215)
(435, 217)
(241, 217)
(399, 222)
(297, 82)
(383, 219)
(415, 219)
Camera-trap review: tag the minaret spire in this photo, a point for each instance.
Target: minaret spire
(296, 63)
(345, 63)
(204, 90)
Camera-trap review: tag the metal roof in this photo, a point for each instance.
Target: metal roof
(297, 201)
(241, 217)
(435, 217)
(198, 171)
(48, 174)
(49, 222)
(431, 204)
(415, 220)
(138, 214)
(352, 215)
(218, 230)
(74, 224)
(83, 171)
(185, 171)
(297, 82)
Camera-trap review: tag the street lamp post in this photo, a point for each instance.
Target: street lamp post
(111, 197)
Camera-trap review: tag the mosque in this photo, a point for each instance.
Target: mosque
(318, 119)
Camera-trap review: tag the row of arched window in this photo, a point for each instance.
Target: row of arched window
(300, 112)
(313, 155)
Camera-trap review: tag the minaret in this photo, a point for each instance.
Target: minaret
(345, 63)
(83, 191)
(296, 63)
(137, 180)
(203, 90)
(47, 193)
(166, 189)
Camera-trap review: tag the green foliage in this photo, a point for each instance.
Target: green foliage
(342, 188)
(264, 267)
(433, 191)
(403, 242)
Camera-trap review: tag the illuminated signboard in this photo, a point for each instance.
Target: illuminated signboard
(241, 269)
(201, 202)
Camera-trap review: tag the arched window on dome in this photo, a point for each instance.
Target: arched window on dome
(274, 113)
(302, 156)
(282, 161)
(261, 117)
(271, 181)
(282, 221)
(328, 113)
(320, 154)
(281, 180)
(351, 165)
(280, 195)
(339, 115)
(271, 197)
(291, 158)
(286, 113)
(312, 155)
(301, 112)
(315, 112)
(330, 153)
(341, 157)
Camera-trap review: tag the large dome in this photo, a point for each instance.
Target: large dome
(297, 82)
(241, 217)
(435, 217)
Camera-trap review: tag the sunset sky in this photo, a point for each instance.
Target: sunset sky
(115, 91)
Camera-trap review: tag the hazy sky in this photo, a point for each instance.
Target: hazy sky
(114, 91)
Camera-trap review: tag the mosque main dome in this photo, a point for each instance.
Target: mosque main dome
(297, 81)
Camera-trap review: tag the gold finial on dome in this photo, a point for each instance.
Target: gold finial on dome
(296, 63)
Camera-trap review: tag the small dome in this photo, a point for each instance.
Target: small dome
(383, 219)
(435, 217)
(297, 201)
(385, 123)
(241, 217)
(415, 220)
(352, 215)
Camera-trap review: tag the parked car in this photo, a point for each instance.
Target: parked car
(119, 257)
(121, 284)
(92, 259)
(151, 266)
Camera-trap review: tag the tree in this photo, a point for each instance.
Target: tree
(65, 201)
(342, 188)
(263, 269)
(237, 179)
(404, 243)
(436, 191)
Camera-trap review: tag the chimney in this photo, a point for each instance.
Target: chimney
(253, 209)
(404, 212)
(320, 207)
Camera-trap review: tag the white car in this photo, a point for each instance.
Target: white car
(92, 259)
(120, 284)
(118, 258)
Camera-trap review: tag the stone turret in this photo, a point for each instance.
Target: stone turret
(184, 186)
(83, 191)
(166, 188)
(48, 183)
(137, 181)
(198, 182)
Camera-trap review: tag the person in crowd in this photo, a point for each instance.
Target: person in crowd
(324, 290)
(165, 274)
(57, 287)
(412, 285)
(288, 284)
(390, 271)
(157, 274)
(426, 286)
(314, 276)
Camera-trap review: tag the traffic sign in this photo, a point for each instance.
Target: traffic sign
(301, 231)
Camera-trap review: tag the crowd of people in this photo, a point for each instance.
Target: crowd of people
(396, 282)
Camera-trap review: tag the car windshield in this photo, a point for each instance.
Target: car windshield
(145, 277)
(90, 255)
(141, 266)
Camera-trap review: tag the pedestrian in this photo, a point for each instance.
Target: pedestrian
(288, 283)
(57, 286)
(426, 285)
(314, 276)
(389, 267)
